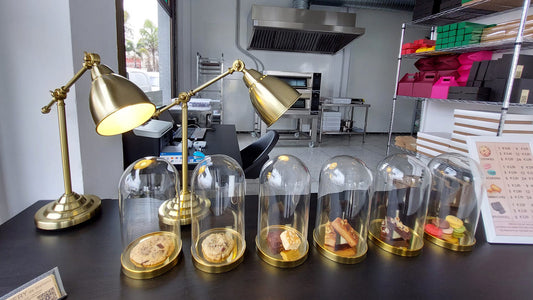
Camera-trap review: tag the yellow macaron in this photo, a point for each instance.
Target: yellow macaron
(454, 221)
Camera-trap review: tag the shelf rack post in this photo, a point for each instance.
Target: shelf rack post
(512, 71)
(395, 97)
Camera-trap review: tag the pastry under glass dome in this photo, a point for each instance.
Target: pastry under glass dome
(399, 204)
(283, 214)
(454, 202)
(151, 245)
(344, 193)
(217, 236)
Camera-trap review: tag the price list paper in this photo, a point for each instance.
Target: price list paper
(507, 207)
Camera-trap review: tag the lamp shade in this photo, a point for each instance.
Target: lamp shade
(270, 96)
(117, 104)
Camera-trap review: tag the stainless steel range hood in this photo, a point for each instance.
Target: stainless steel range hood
(301, 30)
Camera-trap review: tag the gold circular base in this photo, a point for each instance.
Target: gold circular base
(277, 260)
(230, 263)
(360, 255)
(187, 203)
(135, 272)
(67, 211)
(169, 212)
(451, 246)
(415, 246)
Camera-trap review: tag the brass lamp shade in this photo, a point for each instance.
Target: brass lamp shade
(117, 105)
(270, 96)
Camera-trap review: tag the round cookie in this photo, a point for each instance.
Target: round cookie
(448, 230)
(454, 221)
(152, 251)
(216, 247)
(433, 230)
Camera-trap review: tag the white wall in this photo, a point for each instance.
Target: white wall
(42, 50)
(373, 65)
(208, 27)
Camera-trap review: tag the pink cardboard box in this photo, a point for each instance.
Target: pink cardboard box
(441, 87)
(405, 86)
(424, 83)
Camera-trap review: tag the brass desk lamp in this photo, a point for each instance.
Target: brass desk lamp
(117, 105)
(270, 96)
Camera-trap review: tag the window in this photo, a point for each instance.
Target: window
(145, 47)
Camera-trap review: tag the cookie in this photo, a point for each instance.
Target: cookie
(454, 221)
(441, 223)
(448, 230)
(433, 230)
(152, 251)
(484, 151)
(216, 247)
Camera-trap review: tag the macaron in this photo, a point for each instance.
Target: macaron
(433, 230)
(459, 232)
(448, 230)
(450, 239)
(441, 223)
(454, 221)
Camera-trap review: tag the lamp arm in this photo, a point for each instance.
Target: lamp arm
(238, 65)
(89, 60)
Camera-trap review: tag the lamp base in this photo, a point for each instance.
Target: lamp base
(67, 211)
(188, 203)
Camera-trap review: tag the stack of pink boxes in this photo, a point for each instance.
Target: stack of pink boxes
(438, 73)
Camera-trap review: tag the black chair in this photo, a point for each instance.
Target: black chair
(255, 155)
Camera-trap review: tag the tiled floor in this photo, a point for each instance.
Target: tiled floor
(371, 152)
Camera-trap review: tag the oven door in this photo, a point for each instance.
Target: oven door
(304, 102)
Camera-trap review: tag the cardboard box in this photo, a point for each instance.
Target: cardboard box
(524, 67)
(435, 141)
(427, 151)
(424, 84)
(522, 90)
(469, 93)
(482, 70)
(405, 85)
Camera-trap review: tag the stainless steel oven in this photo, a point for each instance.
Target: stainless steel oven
(308, 84)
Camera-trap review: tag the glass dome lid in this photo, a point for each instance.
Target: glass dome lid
(344, 193)
(218, 240)
(399, 204)
(283, 215)
(455, 201)
(151, 245)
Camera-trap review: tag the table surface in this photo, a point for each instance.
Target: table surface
(88, 258)
(222, 139)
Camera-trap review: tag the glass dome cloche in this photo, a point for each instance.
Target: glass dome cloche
(454, 202)
(151, 245)
(283, 214)
(399, 204)
(343, 208)
(217, 238)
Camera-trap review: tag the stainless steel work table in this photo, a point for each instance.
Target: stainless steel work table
(352, 107)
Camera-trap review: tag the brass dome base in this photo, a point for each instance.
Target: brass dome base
(415, 245)
(361, 249)
(131, 270)
(67, 211)
(451, 246)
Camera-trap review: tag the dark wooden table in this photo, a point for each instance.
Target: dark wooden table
(88, 257)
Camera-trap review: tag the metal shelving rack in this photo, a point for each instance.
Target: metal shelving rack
(208, 68)
(455, 15)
